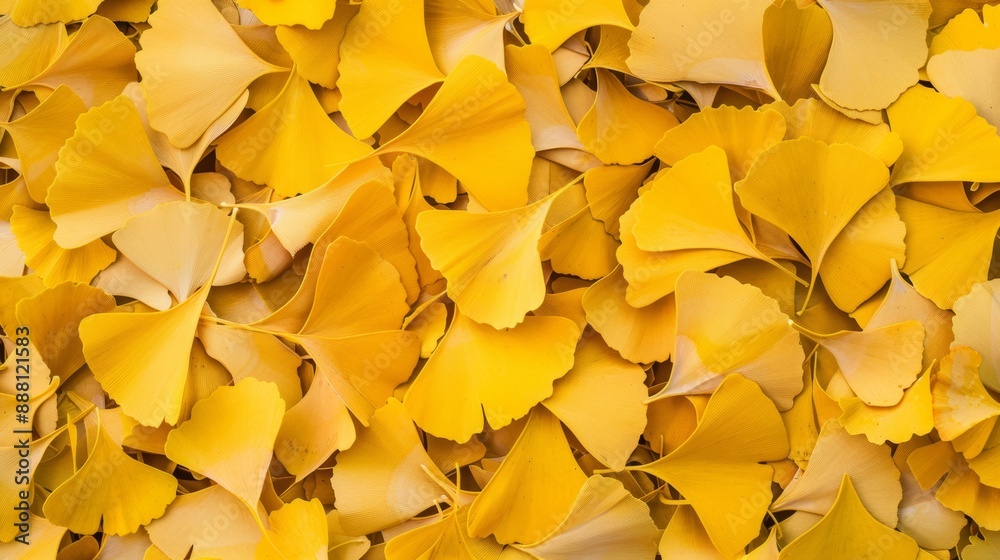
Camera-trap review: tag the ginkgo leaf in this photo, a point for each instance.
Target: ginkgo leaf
(29, 455)
(35, 232)
(183, 161)
(621, 128)
(532, 70)
(31, 49)
(964, 412)
(40, 133)
(968, 75)
(386, 477)
(313, 429)
(96, 64)
(458, 29)
(496, 276)
(385, 59)
(230, 436)
(177, 243)
(717, 469)
(912, 415)
(550, 23)
(297, 530)
(921, 515)
(611, 190)
(975, 325)
(302, 143)
(725, 327)
(311, 14)
(316, 52)
(966, 29)
(189, 83)
(639, 334)
(814, 119)
(986, 546)
(601, 378)
(817, 216)
(829, 538)
(121, 491)
(27, 13)
(446, 538)
(796, 46)
(53, 317)
(188, 526)
(579, 246)
(146, 375)
(744, 134)
(82, 207)
(45, 540)
(496, 172)
(499, 373)
(534, 489)
(943, 139)
(877, 363)
(685, 536)
(605, 520)
(838, 454)
(706, 43)
(947, 252)
(857, 81)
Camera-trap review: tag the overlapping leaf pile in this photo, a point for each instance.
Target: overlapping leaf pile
(456, 279)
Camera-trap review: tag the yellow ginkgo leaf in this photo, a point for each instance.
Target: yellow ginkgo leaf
(410, 198)
(550, 23)
(605, 520)
(29, 454)
(146, 375)
(120, 490)
(183, 161)
(865, 27)
(177, 243)
(316, 52)
(964, 412)
(82, 207)
(188, 526)
(579, 246)
(499, 373)
(685, 537)
(639, 334)
(494, 277)
(742, 133)
(620, 128)
(194, 67)
(446, 538)
(313, 429)
(45, 540)
(768, 550)
(27, 13)
(534, 489)
(943, 139)
(969, 75)
(302, 143)
(385, 59)
(725, 327)
(877, 363)
(53, 317)
(814, 119)
(913, 415)
(947, 252)
(707, 42)
(817, 216)
(718, 469)
(123, 278)
(612, 189)
(230, 436)
(921, 515)
(458, 29)
(309, 13)
(496, 172)
(40, 133)
(985, 547)
(902, 302)
(976, 317)
(96, 64)
(35, 231)
(386, 477)
(796, 46)
(532, 70)
(601, 378)
(838, 454)
(848, 530)
(31, 49)
(967, 28)
(297, 530)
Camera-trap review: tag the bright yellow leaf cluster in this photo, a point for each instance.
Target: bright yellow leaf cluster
(499, 280)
